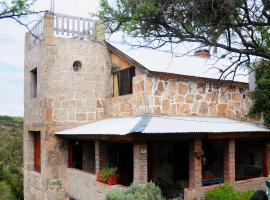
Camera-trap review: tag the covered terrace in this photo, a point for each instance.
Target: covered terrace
(177, 153)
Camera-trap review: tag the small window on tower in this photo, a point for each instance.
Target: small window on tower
(77, 65)
(35, 150)
(33, 83)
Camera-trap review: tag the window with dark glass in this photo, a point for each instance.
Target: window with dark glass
(81, 155)
(75, 153)
(33, 83)
(122, 82)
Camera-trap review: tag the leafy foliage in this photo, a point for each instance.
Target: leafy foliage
(5, 191)
(16, 8)
(11, 157)
(227, 192)
(262, 92)
(148, 191)
(108, 171)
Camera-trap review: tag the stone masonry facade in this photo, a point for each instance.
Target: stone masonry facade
(67, 98)
(64, 99)
(163, 95)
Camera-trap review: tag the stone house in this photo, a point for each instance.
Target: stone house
(89, 105)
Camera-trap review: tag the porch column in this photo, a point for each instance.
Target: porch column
(140, 165)
(101, 156)
(229, 161)
(195, 164)
(266, 159)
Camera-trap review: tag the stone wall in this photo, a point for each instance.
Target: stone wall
(126, 105)
(34, 185)
(34, 106)
(83, 186)
(72, 96)
(65, 98)
(189, 96)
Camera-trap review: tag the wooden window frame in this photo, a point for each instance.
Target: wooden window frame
(37, 151)
(130, 74)
(265, 159)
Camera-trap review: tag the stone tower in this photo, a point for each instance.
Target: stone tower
(66, 73)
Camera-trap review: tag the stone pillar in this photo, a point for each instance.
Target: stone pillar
(100, 155)
(195, 163)
(27, 43)
(140, 169)
(229, 161)
(49, 28)
(99, 31)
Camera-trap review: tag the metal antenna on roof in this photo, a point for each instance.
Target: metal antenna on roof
(52, 6)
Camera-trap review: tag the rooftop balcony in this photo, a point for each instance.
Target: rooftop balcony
(64, 26)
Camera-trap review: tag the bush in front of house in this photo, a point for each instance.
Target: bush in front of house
(148, 191)
(227, 192)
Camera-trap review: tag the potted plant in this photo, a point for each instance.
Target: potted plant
(112, 176)
(99, 178)
(109, 175)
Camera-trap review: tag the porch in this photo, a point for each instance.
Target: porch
(181, 164)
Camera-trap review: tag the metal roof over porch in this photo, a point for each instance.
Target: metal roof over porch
(147, 124)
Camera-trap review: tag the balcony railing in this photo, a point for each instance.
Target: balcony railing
(37, 32)
(65, 26)
(73, 27)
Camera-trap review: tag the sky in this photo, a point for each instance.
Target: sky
(12, 52)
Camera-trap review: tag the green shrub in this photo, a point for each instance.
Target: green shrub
(5, 191)
(261, 95)
(148, 191)
(245, 195)
(11, 157)
(227, 192)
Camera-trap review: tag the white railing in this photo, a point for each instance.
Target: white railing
(64, 26)
(73, 27)
(37, 32)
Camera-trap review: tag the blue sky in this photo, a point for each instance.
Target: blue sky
(12, 52)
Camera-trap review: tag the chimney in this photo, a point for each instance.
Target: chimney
(203, 53)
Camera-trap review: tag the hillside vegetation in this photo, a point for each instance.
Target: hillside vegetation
(11, 158)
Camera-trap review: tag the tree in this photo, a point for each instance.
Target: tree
(5, 191)
(261, 94)
(238, 28)
(11, 158)
(16, 10)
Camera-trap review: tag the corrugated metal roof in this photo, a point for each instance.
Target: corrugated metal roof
(147, 124)
(157, 61)
(111, 126)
